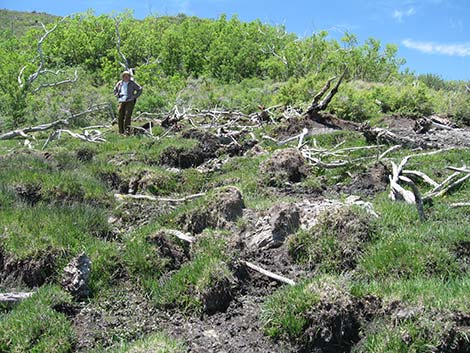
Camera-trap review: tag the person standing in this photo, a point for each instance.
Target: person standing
(127, 91)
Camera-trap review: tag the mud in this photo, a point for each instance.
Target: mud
(30, 272)
(368, 183)
(29, 193)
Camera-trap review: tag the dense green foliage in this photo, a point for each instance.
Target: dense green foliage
(201, 62)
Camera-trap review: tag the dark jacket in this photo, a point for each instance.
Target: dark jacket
(134, 90)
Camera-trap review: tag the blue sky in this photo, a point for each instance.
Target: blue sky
(432, 35)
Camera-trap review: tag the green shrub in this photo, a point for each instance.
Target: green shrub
(354, 103)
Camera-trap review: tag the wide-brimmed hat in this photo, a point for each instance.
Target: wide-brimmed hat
(126, 73)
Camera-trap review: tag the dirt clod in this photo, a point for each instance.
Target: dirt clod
(29, 193)
(225, 206)
(287, 165)
(32, 272)
(172, 251)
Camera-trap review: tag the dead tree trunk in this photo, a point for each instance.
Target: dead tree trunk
(319, 105)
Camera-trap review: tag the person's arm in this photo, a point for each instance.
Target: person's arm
(117, 89)
(138, 90)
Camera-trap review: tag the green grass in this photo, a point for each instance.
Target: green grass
(33, 326)
(336, 241)
(284, 312)
(64, 231)
(185, 287)
(155, 343)
(54, 179)
(431, 293)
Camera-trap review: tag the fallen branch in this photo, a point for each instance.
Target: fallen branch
(269, 273)
(417, 196)
(10, 299)
(123, 197)
(447, 189)
(421, 175)
(43, 127)
(390, 150)
(460, 204)
(186, 237)
(460, 170)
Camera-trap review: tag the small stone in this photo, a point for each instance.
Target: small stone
(76, 277)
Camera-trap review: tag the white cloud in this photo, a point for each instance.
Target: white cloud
(462, 49)
(400, 14)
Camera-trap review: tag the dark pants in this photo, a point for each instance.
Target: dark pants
(124, 116)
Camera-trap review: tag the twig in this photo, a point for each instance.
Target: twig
(460, 204)
(390, 150)
(186, 237)
(269, 273)
(43, 127)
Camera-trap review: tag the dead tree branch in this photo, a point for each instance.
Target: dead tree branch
(269, 274)
(417, 195)
(318, 105)
(43, 127)
(10, 299)
(124, 63)
(40, 69)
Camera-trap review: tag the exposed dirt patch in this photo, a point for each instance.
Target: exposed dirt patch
(333, 323)
(370, 182)
(114, 181)
(122, 314)
(237, 330)
(462, 252)
(397, 122)
(30, 272)
(85, 154)
(29, 193)
(294, 126)
(178, 157)
(217, 298)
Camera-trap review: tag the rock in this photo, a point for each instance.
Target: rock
(287, 165)
(272, 230)
(76, 277)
